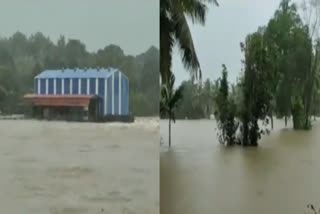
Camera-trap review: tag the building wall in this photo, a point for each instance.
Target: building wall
(109, 97)
(101, 85)
(114, 90)
(125, 96)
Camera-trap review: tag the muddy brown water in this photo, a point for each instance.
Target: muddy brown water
(75, 168)
(200, 176)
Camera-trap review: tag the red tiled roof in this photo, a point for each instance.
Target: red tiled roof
(58, 100)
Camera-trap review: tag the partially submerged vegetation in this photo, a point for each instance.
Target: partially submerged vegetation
(280, 77)
(225, 113)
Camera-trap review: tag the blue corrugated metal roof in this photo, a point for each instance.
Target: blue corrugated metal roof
(77, 73)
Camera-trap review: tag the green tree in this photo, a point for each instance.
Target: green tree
(288, 60)
(256, 96)
(311, 14)
(225, 112)
(169, 101)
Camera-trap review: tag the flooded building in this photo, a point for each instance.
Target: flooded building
(76, 94)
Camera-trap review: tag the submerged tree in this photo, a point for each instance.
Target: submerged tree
(311, 18)
(225, 112)
(289, 54)
(174, 30)
(257, 97)
(169, 100)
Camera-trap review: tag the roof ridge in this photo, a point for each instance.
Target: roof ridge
(77, 73)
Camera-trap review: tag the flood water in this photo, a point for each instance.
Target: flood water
(200, 176)
(74, 168)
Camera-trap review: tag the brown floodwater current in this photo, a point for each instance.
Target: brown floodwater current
(200, 176)
(79, 168)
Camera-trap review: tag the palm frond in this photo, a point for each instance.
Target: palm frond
(170, 97)
(185, 43)
(174, 29)
(176, 97)
(194, 9)
(212, 1)
(164, 100)
(167, 42)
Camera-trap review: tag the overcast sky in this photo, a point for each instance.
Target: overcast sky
(133, 25)
(219, 40)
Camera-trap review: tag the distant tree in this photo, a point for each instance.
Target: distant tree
(61, 42)
(169, 101)
(5, 58)
(198, 99)
(110, 56)
(190, 106)
(19, 44)
(202, 97)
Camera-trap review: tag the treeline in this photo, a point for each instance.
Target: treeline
(22, 57)
(199, 99)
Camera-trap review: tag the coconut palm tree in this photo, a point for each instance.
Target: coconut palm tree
(174, 30)
(169, 101)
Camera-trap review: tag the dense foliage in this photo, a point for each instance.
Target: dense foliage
(22, 57)
(290, 45)
(225, 112)
(256, 94)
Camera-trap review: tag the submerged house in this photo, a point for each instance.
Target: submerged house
(91, 94)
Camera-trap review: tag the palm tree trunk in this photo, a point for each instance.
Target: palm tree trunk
(169, 131)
